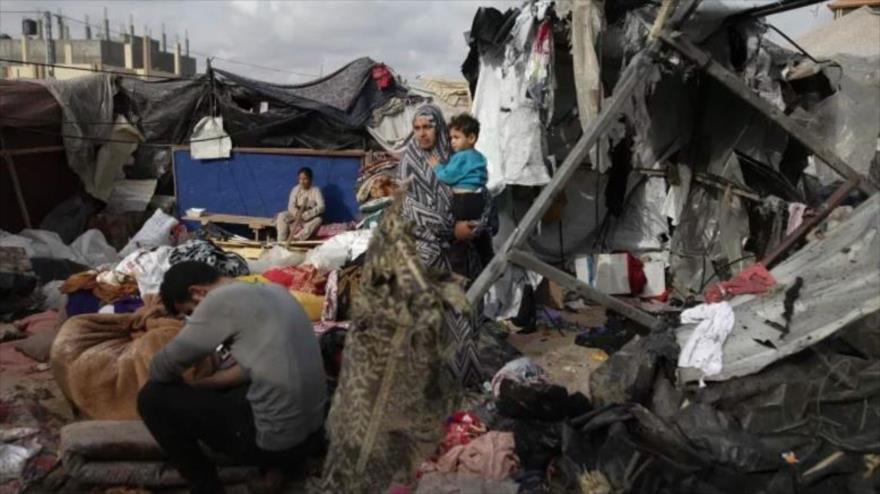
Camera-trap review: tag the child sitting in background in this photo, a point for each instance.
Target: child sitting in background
(466, 173)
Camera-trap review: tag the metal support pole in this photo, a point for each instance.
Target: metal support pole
(733, 83)
(827, 207)
(569, 282)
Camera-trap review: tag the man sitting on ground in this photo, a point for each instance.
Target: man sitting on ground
(267, 409)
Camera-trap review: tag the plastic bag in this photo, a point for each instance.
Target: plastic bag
(275, 257)
(209, 140)
(339, 250)
(92, 249)
(155, 232)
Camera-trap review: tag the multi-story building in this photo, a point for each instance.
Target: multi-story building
(38, 55)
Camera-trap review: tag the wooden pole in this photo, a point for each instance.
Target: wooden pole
(19, 196)
(733, 83)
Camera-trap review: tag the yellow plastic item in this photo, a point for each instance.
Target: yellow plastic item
(313, 304)
(253, 278)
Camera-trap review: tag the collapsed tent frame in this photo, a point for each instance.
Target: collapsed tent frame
(638, 67)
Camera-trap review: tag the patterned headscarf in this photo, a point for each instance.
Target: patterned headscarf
(441, 146)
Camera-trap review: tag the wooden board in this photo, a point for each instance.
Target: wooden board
(251, 221)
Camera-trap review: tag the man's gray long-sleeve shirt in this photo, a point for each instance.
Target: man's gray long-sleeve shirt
(273, 341)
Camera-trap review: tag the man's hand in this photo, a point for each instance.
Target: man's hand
(223, 379)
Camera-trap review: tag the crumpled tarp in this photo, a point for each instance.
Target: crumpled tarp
(849, 120)
(347, 96)
(89, 249)
(87, 107)
(841, 284)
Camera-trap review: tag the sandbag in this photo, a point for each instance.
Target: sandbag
(100, 361)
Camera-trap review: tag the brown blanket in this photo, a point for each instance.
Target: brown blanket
(100, 361)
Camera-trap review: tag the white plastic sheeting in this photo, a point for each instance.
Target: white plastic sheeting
(503, 300)
(147, 267)
(155, 232)
(89, 249)
(841, 284)
(337, 251)
(275, 257)
(87, 107)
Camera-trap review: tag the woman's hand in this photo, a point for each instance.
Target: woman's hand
(464, 230)
(434, 159)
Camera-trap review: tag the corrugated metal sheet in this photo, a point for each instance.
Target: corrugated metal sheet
(841, 284)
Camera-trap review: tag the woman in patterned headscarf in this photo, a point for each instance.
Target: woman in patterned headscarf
(427, 205)
(428, 201)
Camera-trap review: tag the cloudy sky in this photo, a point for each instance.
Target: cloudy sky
(301, 39)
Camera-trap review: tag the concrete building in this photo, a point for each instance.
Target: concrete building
(843, 7)
(128, 53)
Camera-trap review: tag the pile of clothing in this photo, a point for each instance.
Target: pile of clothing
(509, 441)
(376, 184)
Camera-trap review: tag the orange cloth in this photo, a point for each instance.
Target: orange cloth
(101, 361)
(107, 293)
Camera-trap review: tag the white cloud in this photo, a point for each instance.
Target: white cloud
(249, 7)
(304, 36)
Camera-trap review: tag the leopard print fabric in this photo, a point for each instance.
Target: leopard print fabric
(396, 386)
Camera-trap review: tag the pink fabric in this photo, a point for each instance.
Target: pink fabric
(324, 326)
(754, 280)
(490, 456)
(37, 323)
(332, 229)
(11, 360)
(795, 216)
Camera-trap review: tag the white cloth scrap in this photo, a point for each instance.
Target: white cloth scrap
(704, 348)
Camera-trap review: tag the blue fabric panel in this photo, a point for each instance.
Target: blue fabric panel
(255, 184)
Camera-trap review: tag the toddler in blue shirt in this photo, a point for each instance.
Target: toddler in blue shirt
(466, 173)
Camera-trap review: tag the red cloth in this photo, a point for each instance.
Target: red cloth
(636, 273)
(755, 279)
(382, 76)
(300, 278)
(461, 428)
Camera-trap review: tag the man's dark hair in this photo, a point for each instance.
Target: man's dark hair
(465, 124)
(178, 280)
(306, 171)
